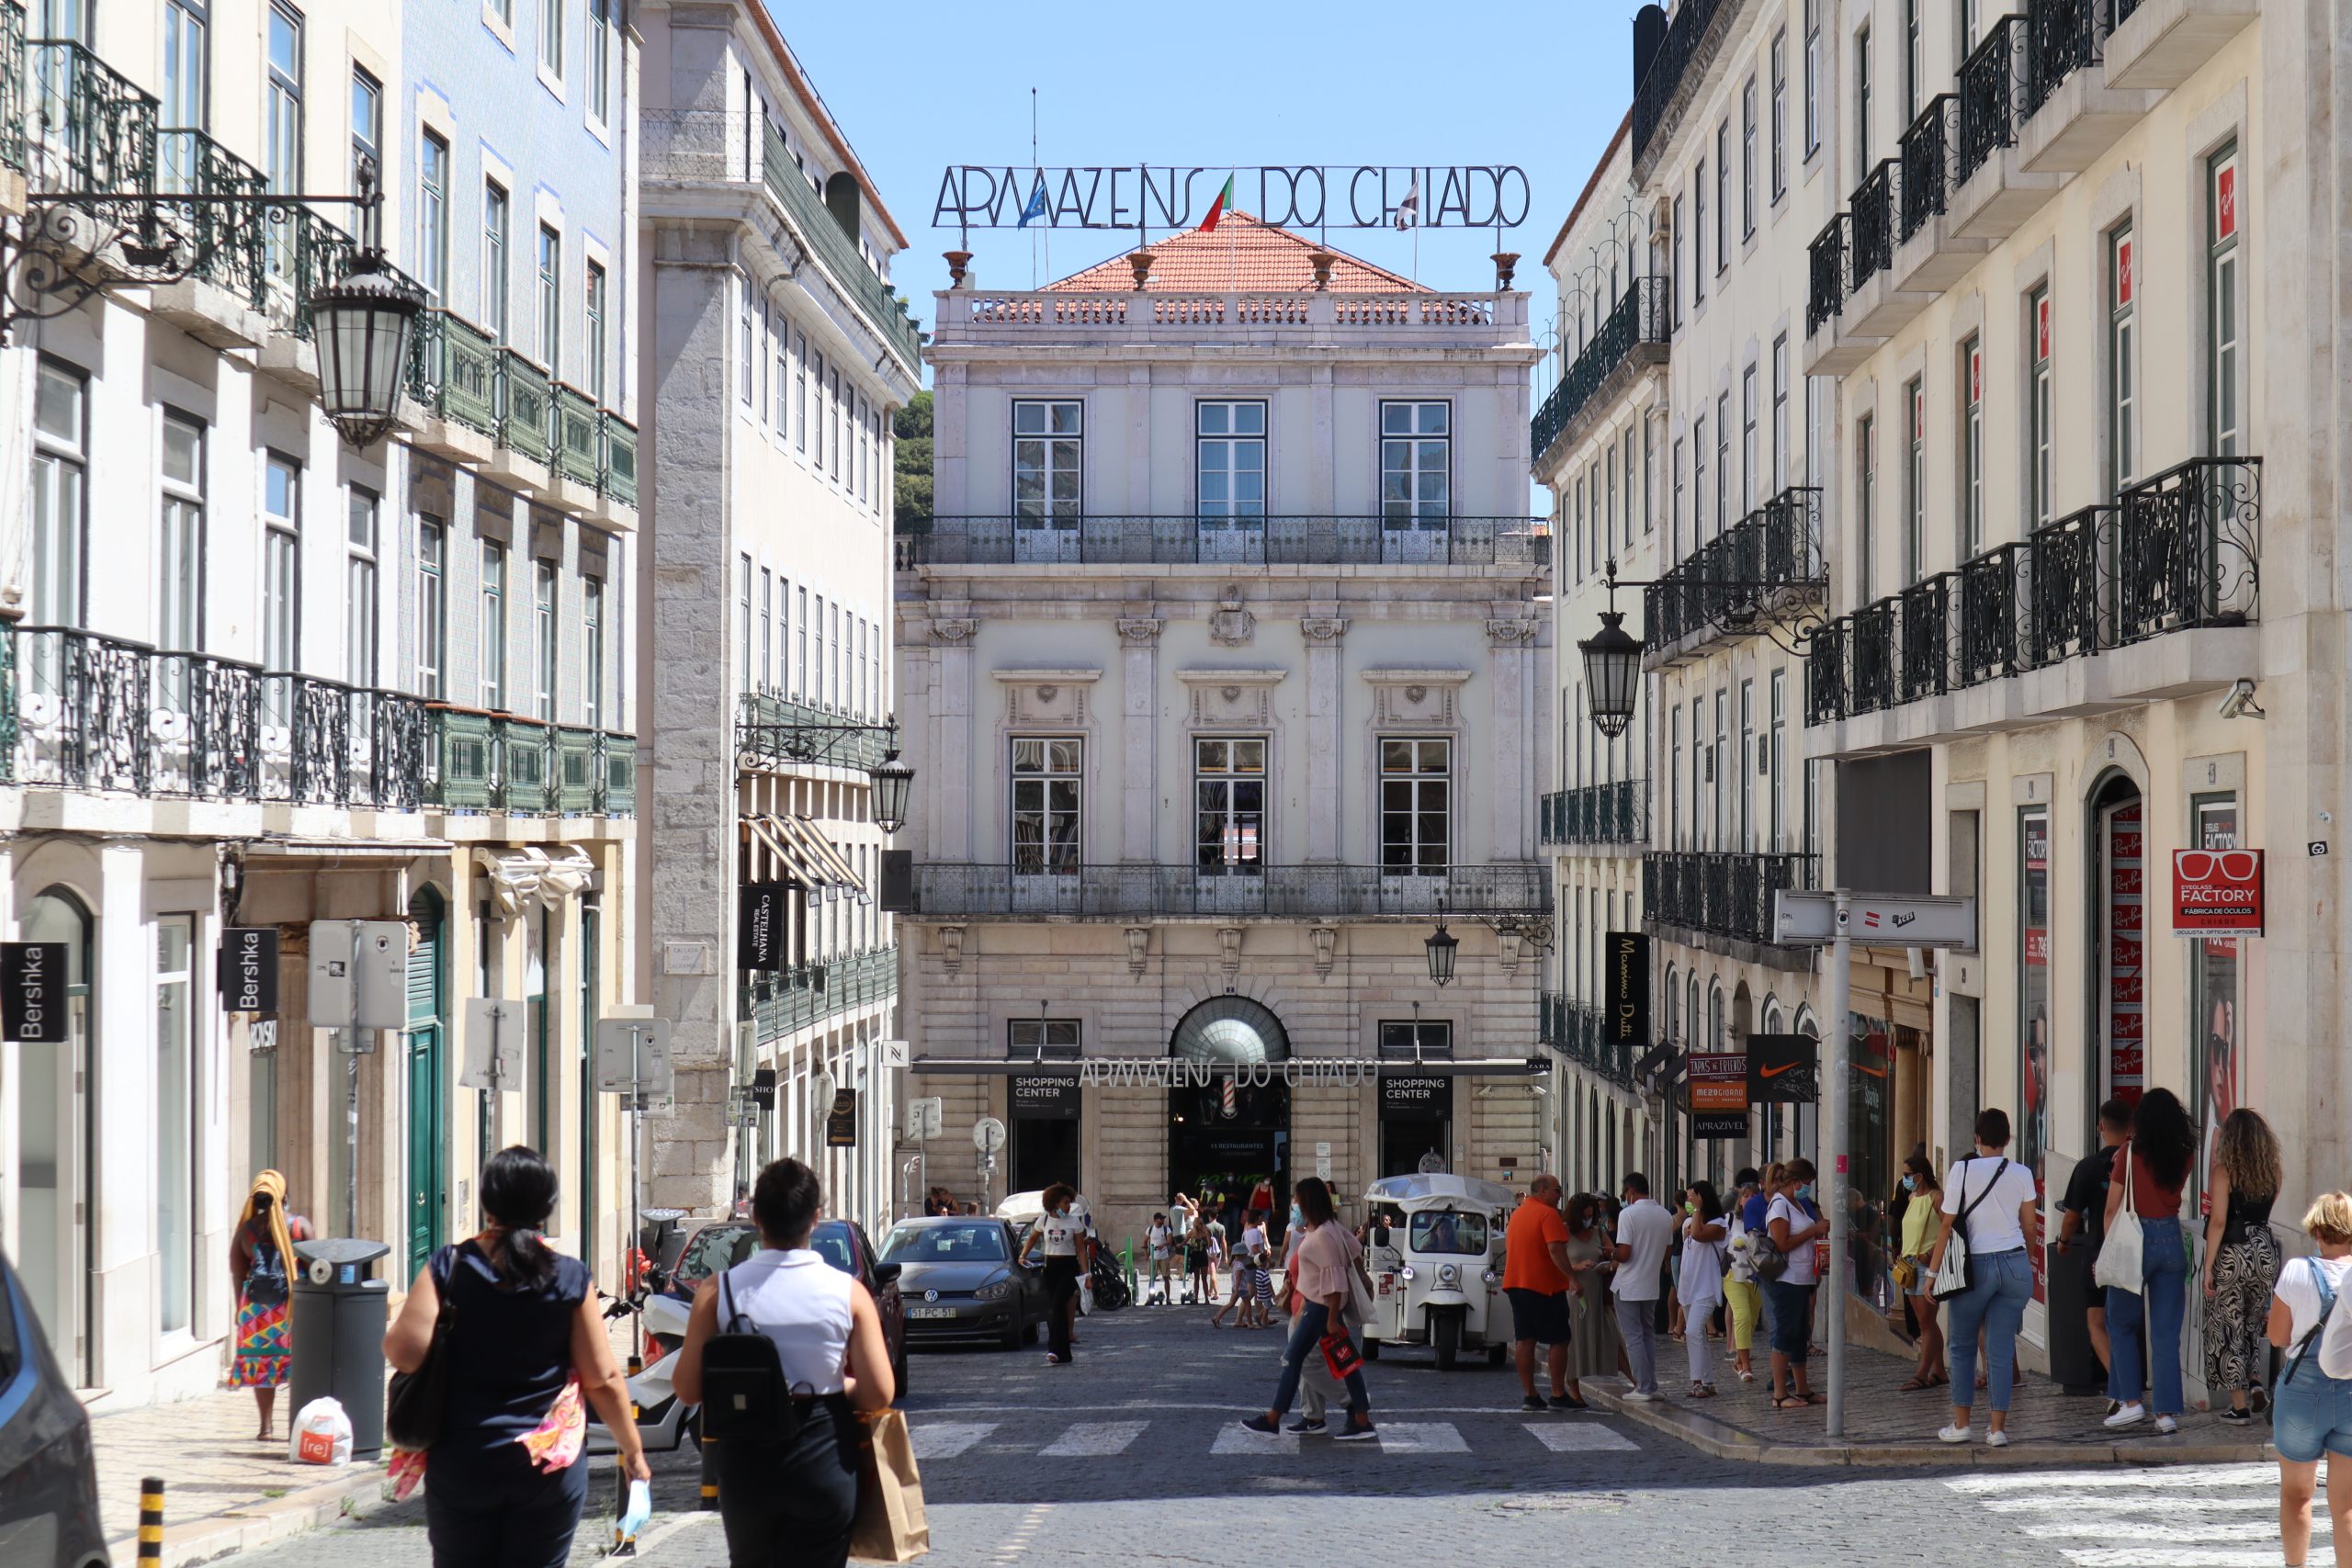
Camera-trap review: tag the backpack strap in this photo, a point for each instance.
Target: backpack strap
(728, 1314)
(2319, 1325)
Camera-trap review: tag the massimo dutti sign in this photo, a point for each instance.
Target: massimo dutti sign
(32, 992)
(1625, 972)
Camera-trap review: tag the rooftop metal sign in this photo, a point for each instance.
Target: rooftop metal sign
(1295, 195)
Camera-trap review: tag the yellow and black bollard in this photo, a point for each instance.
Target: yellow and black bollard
(151, 1519)
(625, 1545)
(709, 1475)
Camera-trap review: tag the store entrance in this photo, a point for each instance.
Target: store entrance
(1405, 1145)
(1230, 1138)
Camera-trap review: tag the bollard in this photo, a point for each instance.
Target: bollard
(625, 1545)
(151, 1519)
(709, 1474)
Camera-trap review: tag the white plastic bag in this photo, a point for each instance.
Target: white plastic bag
(321, 1434)
(1086, 1295)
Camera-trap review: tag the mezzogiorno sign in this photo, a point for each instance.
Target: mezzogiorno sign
(2216, 891)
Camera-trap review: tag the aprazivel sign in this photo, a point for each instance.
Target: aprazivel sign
(1299, 195)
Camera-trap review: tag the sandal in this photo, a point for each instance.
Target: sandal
(1915, 1384)
(1817, 1399)
(1786, 1401)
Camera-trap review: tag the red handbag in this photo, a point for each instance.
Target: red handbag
(1340, 1354)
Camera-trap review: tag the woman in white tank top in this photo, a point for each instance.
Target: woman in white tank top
(786, 1505)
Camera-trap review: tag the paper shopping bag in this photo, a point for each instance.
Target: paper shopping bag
(890, 1526)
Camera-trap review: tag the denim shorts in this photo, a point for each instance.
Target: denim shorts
(2311, 1413)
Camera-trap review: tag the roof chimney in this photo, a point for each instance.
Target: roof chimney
(1649, 36)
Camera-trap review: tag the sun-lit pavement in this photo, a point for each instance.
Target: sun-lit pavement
(1132, 1454)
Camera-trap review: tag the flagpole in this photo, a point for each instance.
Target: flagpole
(1039, 239)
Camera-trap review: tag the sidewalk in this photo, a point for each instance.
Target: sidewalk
(1886, 1426)
(222, 1491)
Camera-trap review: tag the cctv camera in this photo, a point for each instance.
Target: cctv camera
(2240, 702)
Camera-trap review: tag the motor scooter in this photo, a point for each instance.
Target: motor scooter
(664, 1422)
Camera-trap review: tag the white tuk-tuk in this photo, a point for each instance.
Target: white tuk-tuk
(1436, 1262)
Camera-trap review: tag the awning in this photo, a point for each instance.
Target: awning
(1170, 1071)
(348, 849)
(803, 854)
(518, 875)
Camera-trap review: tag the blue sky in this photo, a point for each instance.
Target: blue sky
(922, 85)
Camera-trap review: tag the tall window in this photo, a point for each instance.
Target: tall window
(1723, 459)
(1627, 457)
(744, 679)
(551, 37)
(1776, 762)
(1699, 233)
(591, 651)
(1862, 102)
(544, 639)
(800, 687)
(1698, 479)
(285, 125)
(1674, 777)
(1716, 771)
(1971, 448)
(179, 605)
(186, 28)
(833, 660)
(362, 510)
(758, 674)
(1229, 805)
(1722, 195)
(550, 299)
(1779, 113)
(1915, 60)
(2224, 425)
(1866, 505)
(366, 125)
(593, 307)
(177, 1113)
(1747, 160)
(1779, 413)
(834, 423)
(433, 215)
(1047, 783)
(1416, 460)
(281, 622)
(494, 625)
(1812, 76)
(1229, 459)
(494, 260)
(1674, 503)
(600, 60)
(1747, 413)
(1674, 286)
(2122, 425)
(1416, 807)
(1048, 459)
(801, 390)
(1747, 761)
(1649, 471)
(1915, 533)
(432, 605)
(1703, 769)
(2038, 412)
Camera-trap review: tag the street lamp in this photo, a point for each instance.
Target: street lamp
(893, 782)
(1439, 944)
(363, 321)
(1613, 674)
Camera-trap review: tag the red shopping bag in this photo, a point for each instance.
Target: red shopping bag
(1340, 1354)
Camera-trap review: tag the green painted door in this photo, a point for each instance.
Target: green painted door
(428, 1124)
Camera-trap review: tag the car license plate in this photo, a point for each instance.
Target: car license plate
(931, 1311)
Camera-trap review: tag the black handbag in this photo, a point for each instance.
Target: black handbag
(416, 1405)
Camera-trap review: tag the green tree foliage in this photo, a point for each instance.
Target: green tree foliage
(911, 473)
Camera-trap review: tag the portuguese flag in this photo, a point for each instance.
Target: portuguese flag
(1217, 208)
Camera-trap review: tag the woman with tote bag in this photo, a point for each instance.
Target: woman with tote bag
(2143, 1217)
(1988, 1206)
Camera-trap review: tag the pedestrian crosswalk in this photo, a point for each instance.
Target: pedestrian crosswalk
(941, 1441)
(2208, 1516)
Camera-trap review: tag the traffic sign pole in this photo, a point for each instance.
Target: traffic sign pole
(1836, 1039)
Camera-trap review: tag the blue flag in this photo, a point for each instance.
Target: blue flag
(1036, 208)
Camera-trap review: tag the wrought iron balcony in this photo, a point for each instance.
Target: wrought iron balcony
(12, 85)
(1925, 177)
(803, 996)
(1871, 215)
(1828, 255)
(1642, 315)
(1093, 540)
(504, 762)
(964, 890)
(459, 373)
(1989, 82)
(2061, 37)
(1594, 814)
(1725, 894)
(773, 730)
(2181, 549)
(1691, 38)
(1768, 565)
(227, 236)
(616, 474)
(452, 371)
(573, 419)
(1576, 1031)
(525, 403)
(93, 128)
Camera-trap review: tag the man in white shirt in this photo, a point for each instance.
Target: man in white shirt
(1644, 1231)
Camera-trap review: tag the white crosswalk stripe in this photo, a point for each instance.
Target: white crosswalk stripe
(945, 1439)
(1421, 1437)
(1579, 1437)
(1232, 1440)
(1091, 1439)
(2218, 1516)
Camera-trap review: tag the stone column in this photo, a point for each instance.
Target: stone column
(1323, 634)
(949, 825)
(1139, 695)
(1508, 661)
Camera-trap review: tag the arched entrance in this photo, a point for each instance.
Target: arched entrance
(2118, 1068)
(1229, 1137)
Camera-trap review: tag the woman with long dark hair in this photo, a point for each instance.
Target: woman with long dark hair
(504, 1486)
(2241, 1260)
(1325, 1281)
(2149, 1172)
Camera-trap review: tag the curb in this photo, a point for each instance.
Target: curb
(243, 1527)
(1721, 1439)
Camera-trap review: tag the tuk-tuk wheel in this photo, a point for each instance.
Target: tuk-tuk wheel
(1445, 1333)
(1494, 1355)
(1371, 1349)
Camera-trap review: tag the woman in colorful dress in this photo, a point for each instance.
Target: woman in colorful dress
(261, 1262)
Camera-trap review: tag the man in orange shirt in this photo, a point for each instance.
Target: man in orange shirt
(1537, 1280)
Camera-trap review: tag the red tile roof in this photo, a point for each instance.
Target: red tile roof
(1242, 254)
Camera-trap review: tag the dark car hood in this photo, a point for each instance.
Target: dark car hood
(917, 1278)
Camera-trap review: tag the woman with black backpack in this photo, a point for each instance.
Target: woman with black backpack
(781, 1352)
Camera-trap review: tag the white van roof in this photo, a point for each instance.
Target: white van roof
(1421, 1186)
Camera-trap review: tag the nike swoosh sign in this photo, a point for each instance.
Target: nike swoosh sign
(1776, 1071)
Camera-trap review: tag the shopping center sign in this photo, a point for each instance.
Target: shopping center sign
(2217, 892)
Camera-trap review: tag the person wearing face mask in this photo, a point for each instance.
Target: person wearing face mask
(1989, 1199)
(1059, 1236)
(1645, 1232)
(1918, 1200)
(1795, 1221)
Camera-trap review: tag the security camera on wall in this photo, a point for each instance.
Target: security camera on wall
(2240, 702)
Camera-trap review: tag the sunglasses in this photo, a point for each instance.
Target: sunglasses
(2198, 864)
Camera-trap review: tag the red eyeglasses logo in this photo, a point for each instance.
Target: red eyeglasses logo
(2199, 865)
(2216, 891)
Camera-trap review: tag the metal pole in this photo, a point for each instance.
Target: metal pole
(636, 1136)
(1835, 1037)
(349, 1040)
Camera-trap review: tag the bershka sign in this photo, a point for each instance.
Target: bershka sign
(1626, 1020)
(759, 942)
(248, 977)
(32, 992)
(1416, 1097)
(2216, 891)
(1045, 1097)
(1171, 195)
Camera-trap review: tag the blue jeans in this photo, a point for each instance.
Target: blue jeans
(1306, 1336)
(1995, 1303)
(2164, 1268)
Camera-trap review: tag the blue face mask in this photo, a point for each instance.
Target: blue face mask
(1805, 1191)
(1295, 1217)
(1909, 1182)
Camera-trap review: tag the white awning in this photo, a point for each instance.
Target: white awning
(805, 854)
(518, 875)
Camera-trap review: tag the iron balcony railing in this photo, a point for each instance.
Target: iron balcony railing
(808, 994)
(1640, 316)
(1827, 253)
(526, 404)
(1765, 565)
(12, 85)
(1927, 158)
(573, 434)
(1989, 79)
(1724, 894)
(227, 236)
(452, 371)
(1593, 814)
(488, 762)
(1872, 216)
(2180, 549)
(95, 127)
(2061, 37)
(773, 730)
(1094, 539)
(944, 890)
(1658, 93)
(616, 473)
(1578, 1031)
(459, 373)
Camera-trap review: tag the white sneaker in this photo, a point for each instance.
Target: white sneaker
(1996, 1440)
(2131, 1414)
(2167, 1425)
(1635, 1396)
(1954, 1434)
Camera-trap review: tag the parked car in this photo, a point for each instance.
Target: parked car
(963, 1284)
(842, 1243)
(49, 1483)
